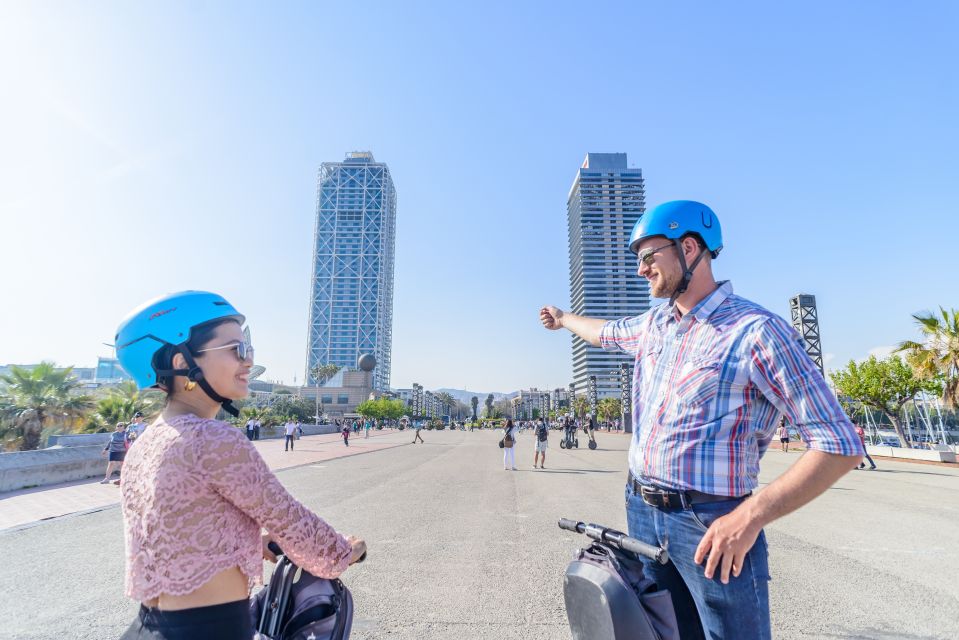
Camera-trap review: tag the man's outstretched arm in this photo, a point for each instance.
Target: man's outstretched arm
(586, 328)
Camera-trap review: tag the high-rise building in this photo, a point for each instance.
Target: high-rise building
(605, 201)
(351, 293)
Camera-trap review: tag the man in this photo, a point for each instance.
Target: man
(862, 438)
(290, 437)
(712, 374)
(542, 435)
(137, 427)
(417, 426)
(250, 429)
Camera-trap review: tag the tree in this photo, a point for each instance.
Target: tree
(446, 399)
(581, 406)
(30, 400)
(473, 402)
(608, 408)
(884, 385)
(489, 406)
(323, 372)
(936, 358)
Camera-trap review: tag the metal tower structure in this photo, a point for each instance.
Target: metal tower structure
(805, 320)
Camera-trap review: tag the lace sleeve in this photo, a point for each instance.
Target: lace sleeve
(235, 470)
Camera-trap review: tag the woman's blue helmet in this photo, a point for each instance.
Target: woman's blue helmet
(166, 320)
(674, 220)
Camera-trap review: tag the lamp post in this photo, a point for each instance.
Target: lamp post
(591, 394)
(626, 397)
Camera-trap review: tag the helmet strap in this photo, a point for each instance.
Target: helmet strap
(195, 374)
(687, 271)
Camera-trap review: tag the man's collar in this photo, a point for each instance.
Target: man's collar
(701, 311)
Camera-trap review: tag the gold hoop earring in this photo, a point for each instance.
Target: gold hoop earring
(189, 386)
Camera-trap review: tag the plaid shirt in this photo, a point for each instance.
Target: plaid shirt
(709, 388)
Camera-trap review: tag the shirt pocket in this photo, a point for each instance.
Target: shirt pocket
(707, 378)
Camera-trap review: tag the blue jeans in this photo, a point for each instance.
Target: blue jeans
(704, 608)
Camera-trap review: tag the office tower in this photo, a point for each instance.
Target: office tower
(605, 201)
(351, 294)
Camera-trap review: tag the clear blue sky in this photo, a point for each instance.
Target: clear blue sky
(152, 147)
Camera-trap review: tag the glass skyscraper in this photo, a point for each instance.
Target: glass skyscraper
(605, 201)
(351, 294)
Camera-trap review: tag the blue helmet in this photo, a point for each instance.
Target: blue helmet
(166, 320)
(674, 220)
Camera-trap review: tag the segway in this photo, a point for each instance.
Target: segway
(607, 595)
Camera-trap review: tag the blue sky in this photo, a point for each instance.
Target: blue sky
(153, 148)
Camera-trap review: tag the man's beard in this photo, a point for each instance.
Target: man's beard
(664, 284)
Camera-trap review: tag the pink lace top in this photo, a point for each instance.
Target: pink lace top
(195, 494)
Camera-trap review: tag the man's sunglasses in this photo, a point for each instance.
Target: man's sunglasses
(647, 257)
(244, 351)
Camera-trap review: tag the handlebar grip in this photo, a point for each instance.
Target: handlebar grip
(569, 525)
(274, 548)
(658, 554)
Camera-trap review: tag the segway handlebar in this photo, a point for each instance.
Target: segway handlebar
(277, 551)
(616, 538)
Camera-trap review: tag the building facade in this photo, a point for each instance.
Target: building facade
(605, 201)
(351, 292)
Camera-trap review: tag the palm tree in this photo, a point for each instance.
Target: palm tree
(937, 356)
(32, 399)
(322, 373)
(581, 406)
(608, 408)
(447, 400)
(148, 402)
(489, 406)
(473, 402)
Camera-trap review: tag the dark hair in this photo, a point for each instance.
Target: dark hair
(200, 336)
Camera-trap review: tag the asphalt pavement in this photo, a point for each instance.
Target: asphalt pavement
(460, 548)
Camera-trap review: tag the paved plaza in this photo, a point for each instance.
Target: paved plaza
(460, 548)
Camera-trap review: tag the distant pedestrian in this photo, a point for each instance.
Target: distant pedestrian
(298, 427)
(783, 434)
(862, 438)
(417, 427)
(117, 449)
(256, 429)
(509, 445)
(542, 435)
(366, 428)
(136, 428)
(290, 437)
(346, 435)
(250, 429)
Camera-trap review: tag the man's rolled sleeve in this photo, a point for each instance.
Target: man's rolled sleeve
(624, 334)
(791, 381)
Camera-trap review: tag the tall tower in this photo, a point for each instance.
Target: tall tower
(351, 293)
(605, 201)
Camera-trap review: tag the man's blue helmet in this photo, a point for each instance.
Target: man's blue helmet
(166, 320)
(674, 220)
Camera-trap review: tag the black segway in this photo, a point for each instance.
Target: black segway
(607, 595)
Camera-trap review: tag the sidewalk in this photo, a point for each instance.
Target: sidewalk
(27, 507)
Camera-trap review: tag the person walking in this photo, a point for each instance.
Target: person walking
(713, 372)
(116, 449)
(542, 435)
(783, 434)
(417, 427)
(197, 493)
(509, 445)
(250, 429)
(865, 452)
(367, 425)
(290, 430)
(256, 429)
(346, 435)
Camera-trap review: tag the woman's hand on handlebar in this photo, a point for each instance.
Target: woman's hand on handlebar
(267, 554)
(359, 549)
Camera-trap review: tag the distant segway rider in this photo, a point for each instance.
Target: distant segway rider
(714, 372)
(197, 492)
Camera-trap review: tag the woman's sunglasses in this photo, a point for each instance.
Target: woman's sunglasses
(244, 351)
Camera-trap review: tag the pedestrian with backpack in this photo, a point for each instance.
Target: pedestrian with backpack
(346, 435)
(542, 434)
(509, 445)
(197, 493)
(714, 372)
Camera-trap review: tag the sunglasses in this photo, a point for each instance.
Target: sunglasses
(244, 351)
(647, 257)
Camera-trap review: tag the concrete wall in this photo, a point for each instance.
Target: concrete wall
(22, 469)
(79, 440)
(911, 454)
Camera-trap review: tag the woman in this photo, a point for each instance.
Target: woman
(783, 434)
(117, 449)
(509, 449)
(196, 492)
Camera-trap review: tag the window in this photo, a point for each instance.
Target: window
(327, 400)
(342, 399)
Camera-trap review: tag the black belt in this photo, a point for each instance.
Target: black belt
(670, 499)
